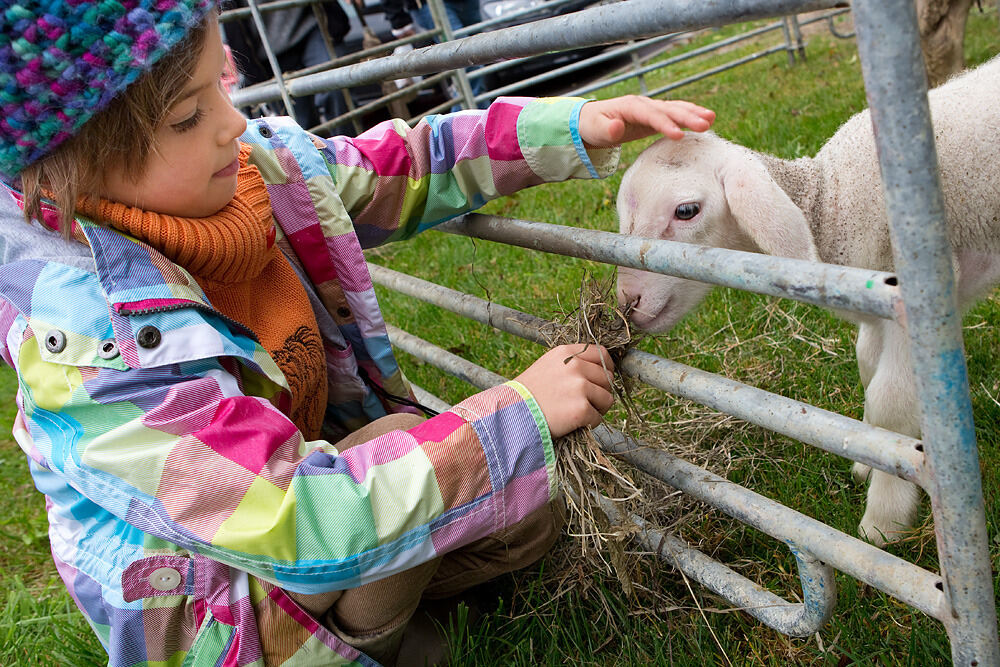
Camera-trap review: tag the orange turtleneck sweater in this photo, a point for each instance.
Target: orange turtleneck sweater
(233, 257)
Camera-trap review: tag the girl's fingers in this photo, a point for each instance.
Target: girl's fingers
(602, 399)
(668, 117)
(611, 122)
(597, 374)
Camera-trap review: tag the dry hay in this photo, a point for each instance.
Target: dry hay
(597, 550)
(695, 433)
(598, 561)
(582, 466)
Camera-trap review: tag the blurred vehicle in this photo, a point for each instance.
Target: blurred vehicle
(539, 9)
(495, 9)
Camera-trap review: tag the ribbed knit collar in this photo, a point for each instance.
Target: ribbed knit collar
(228, 247)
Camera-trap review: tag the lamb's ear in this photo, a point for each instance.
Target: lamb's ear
(764, 212)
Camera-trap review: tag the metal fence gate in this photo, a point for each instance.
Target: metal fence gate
(284, 88)
(944, 463)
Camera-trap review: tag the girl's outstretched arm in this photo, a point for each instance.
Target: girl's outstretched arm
(611, 122)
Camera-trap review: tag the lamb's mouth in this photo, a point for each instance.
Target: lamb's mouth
(657, 322)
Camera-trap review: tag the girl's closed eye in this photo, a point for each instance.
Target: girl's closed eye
(190, 122)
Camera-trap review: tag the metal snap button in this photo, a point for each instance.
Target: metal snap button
(165, 579)
(55, 341)
(108, 349)
(265, 131)
(148, 337)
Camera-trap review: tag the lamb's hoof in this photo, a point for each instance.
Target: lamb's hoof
(861, 472)
(880, 530)
(873, 535)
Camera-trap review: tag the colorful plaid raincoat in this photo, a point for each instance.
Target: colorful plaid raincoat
(181, 499)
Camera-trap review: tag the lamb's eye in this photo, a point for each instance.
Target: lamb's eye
(687, 211)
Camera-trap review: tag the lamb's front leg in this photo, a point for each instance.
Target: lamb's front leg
(890, 402)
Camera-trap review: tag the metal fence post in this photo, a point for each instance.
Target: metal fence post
(272, 60)
(786, 32)
(459, 76)
(896, 84)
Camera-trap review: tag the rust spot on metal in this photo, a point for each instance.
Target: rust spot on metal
(643, 249)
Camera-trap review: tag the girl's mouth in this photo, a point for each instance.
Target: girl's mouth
(228, 170)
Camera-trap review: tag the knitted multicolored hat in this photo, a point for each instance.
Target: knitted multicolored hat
(62, 61)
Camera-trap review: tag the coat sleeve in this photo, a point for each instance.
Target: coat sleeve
(194, 452)
(396, 181)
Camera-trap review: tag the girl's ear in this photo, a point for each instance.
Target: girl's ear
(764, 212)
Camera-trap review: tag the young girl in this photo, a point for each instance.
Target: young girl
(207, 394)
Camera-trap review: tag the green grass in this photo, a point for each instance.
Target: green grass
(781, 346)
(39, 623)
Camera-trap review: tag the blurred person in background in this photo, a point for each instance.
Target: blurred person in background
(297, 42)
(408, 17)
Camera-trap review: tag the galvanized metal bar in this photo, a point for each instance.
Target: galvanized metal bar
(251, 92)
(826, 16)
(802, 619)
(800, 45)
(428, 399)
(717, 70)
(459, 77)
(861, 560)
(356, 56)
(808, 538)
(438, 357)
(835, 433)
(832, 27)
(786, 32)
(605, 24)
(604, 56)
(614, 53)
(358, 112)
(636, 66)
(549, 6)
(272, 60)
(829, 285)
(319, 13)
(681, 57)
(890, 452)
(636, 71)
(353, 115)
(896, 85)
(265, 8)
(797, 619)
(499, 317)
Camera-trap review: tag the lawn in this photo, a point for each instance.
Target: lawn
(559, 612)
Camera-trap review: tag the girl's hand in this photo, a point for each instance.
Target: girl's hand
(611, 122)
(571, 386)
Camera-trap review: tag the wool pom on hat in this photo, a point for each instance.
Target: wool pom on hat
(62, 61)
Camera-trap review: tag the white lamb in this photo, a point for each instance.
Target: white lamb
(829, 208)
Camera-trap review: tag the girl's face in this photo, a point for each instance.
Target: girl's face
(191, 170)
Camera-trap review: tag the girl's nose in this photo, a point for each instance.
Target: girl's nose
(234, 125)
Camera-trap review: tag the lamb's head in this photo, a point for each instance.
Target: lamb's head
(705, 191)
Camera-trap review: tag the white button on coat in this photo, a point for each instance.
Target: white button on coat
(165, 579)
